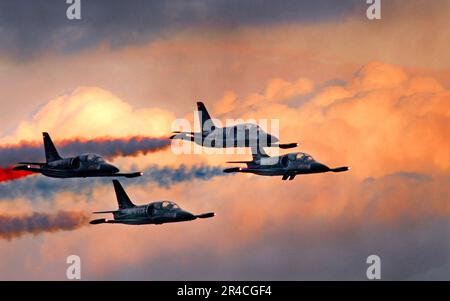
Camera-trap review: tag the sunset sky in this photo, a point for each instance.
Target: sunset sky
(370, 94)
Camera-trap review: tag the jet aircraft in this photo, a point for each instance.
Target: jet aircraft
(154, 213)
(241, 135)
(287, 166)
(82, 166)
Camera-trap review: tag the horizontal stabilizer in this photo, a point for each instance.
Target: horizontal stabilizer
(98, 221)
(287, 145)
(240, 161)
(206, 215)
(182, 136)
(33, 163)
(26, 168)
(186, 133)
(233, 169)
(104, 221)
(107, 211)
(339, 169)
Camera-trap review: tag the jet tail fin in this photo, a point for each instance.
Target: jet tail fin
(205, 119)
(122, 198)
(51, 154)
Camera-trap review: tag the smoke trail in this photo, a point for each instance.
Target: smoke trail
(36, 223)
(8, 174)
(107, 147)
(40, 187)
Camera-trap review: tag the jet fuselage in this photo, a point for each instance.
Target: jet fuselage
(152, 213)
(287, 166)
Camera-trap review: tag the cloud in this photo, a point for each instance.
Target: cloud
(174, 70)
(277, 90)
(319, 227)
(380, 121)
(315, 227)
(26, 34)
(387, 121)
(92, 112)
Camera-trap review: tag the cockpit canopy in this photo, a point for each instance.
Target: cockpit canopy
(92, 158)
(166, 205)
(303, 157)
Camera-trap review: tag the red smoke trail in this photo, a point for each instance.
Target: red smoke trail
(8, 174)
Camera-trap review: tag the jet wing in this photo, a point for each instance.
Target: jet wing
(287, 145)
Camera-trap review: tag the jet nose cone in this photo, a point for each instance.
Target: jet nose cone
(110, 168)
(274, 139)
(320, 167)
(186, 215)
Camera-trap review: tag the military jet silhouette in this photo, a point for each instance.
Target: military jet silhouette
(287, 166)
(241, 135)
(153, 213)
(82, 166)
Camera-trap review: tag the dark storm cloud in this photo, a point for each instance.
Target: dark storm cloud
(28, 27)
(38, 187)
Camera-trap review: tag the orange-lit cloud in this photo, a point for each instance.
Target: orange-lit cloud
(371, 95)
(92, 112)
(381, 121)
